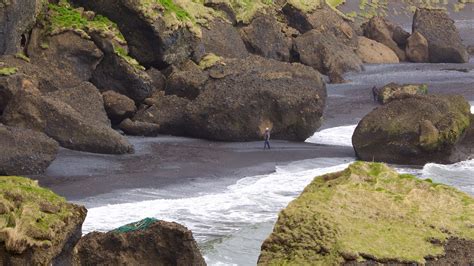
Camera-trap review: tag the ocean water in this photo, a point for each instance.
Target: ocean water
(231, 224)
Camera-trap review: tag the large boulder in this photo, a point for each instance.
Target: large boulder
(222, 39)
(138, 128)
(118, 106)
(393, 91)
(369, 214)
(155, 37)
(415, 130)
(147, 242)
(37, 227)
(378, 29)
(25, 152)
(121, 73)
(169, 112)
(86, 100)
(82, 125)
(372, 52)
(9, 86)
(16, 20)
(325, 53)
(444, 42)
(264, 36)
(240, 98)
(334, 22)
(417, 48)
(244, 96)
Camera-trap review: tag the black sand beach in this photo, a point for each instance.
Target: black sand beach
(166, 160)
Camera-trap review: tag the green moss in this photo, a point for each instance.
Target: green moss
(371, 210)
(25, 219)
(209, 60)
(23, 57)
(7, 71)
(63, 17)
(131, 61)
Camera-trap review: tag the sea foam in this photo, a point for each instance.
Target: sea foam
(338, 136)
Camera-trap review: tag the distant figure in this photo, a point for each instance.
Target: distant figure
(266, 136)
(375, 93)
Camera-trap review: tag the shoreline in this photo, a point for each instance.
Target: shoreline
(166, 160)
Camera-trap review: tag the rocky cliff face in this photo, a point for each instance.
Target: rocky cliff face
(219, 70)
(369, 214)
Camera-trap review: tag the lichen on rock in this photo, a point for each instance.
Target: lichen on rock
(369, 212)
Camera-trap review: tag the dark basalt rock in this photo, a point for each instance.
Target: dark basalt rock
(76, 126)
(118, 106)
(380, 30)
(17, 18)
(444, 42)
(264, 36)
(68, 61)
(159, 243)
(243, 97)
(149, 39)
(115, 73)
(325, 53)
(25, 152)
(222, 39)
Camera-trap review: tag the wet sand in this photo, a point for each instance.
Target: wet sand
(170, 161)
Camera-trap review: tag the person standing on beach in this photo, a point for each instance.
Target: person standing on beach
(375, 93)
(266, 137)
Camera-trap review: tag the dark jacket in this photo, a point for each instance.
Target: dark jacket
(267, 135)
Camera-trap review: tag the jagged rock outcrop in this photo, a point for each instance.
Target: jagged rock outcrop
(118, 106)
(9, 85)
(147, 242)
(333, 22)
(264, 36)
(372, 52)
(37, 227)
(64, 60)
(369, 214)
(416, 130)
(328, 44)
(325, 53)
(17, 18)
(115, 73)
(393, 91)
(378, 29)
(444, 42)
(76, 126)
(417, 48)
(154, 38)
(25, 152)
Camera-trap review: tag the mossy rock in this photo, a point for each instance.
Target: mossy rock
(35, 223)
(415, 130)
(395, 91)
(369, 212)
